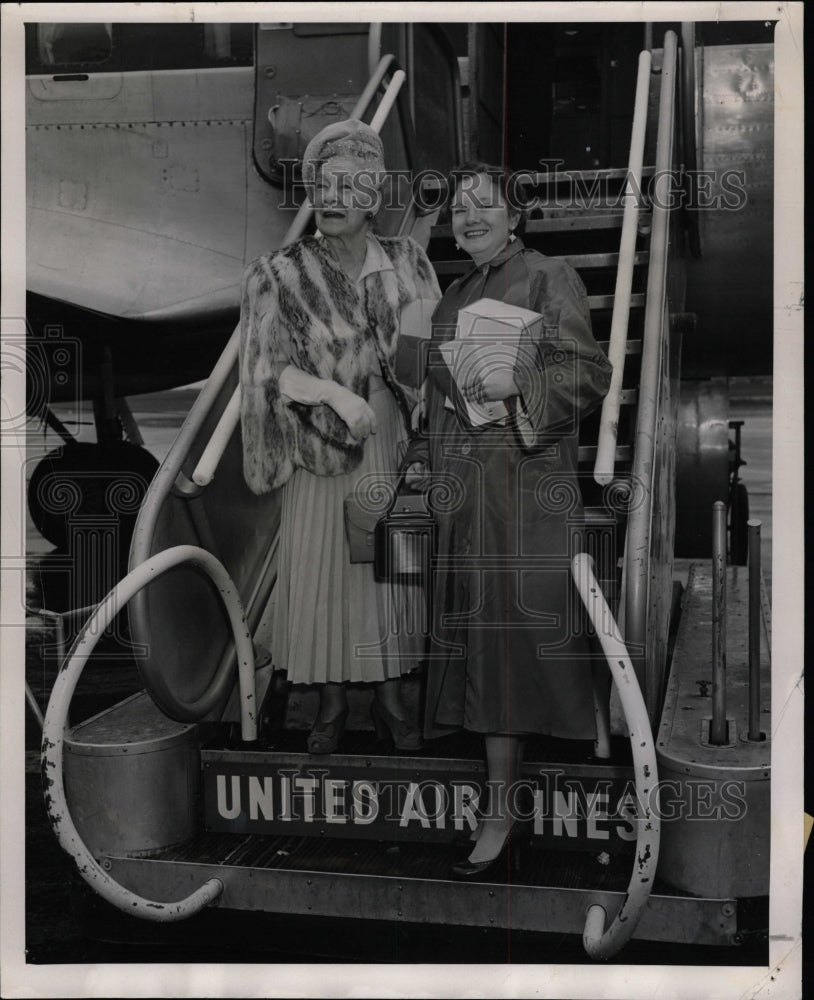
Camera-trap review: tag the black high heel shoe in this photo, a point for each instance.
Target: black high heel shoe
(403, 733)
(324, 736)
(497, 867)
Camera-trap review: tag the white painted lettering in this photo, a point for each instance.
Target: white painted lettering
(413, 807)
(333, 800)
(365, 796)
(596, 802)
(538, 795)
(232, 811)
(565, 814)
(261, 798)
(285, 798)
(441, 802)
(627, 811)
(308, 788)
(464, 803)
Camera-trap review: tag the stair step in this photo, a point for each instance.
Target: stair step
(565, 223)
(631, 347)
(606, 301)
(611, 219)
(579, 261)
(587, 453)
(585, 261)
(567, 176)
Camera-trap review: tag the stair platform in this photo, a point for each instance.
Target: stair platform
(409, 884)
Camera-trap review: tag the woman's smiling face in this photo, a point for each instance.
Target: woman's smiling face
(344, 196)
(481, 219)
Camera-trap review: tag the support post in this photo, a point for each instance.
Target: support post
(718, 731)
(754, 630)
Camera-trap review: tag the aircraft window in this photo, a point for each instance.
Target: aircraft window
(228, 43)
(186, 46)
(136, 46)
(72, 44)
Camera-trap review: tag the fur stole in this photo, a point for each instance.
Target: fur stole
(299, 307)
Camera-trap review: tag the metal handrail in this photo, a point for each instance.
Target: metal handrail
(640, 519)
(599, 941)
(56, 716)
(605, 463)
(206, 467)
(690, 135)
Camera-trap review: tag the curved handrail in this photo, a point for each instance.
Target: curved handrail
(374, 46)
(53, 733)
(204, 471)
(599, 941)
(690, 135)
(637, 564)
(609, 421)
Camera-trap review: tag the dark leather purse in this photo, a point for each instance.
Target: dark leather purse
(398, 540)
(401, 540)
(405, 537)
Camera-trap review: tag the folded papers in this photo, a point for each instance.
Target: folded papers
(487, 336)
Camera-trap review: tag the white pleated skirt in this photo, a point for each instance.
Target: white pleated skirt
(333, 621)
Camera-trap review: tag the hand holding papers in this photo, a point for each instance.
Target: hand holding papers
(484, 354)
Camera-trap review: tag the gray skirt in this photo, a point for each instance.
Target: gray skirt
(332, 620)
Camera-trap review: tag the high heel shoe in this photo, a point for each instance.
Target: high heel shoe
(403, 734)
(324, 736)
(496, 867)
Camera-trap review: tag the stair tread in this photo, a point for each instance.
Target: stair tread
(564, 176)
(587, 452)
(637, 300)
(579, 261)
(568, 219)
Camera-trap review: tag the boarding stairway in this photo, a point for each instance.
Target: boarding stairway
(257, 823)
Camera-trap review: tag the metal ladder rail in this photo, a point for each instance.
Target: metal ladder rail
(604, 466)
(638, 540)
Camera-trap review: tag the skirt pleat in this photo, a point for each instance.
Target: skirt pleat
(333, 621)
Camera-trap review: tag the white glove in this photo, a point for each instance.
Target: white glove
(356, 413)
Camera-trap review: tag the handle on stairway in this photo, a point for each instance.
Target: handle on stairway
(601, 941)
(609, 421)
(53, 732)
(655, 355)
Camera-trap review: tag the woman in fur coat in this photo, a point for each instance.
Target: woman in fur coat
(321, 411)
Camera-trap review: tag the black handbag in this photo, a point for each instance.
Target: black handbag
(397, 539)
(401, 540)
(405, 538)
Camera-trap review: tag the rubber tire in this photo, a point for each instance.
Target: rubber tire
(110, 481)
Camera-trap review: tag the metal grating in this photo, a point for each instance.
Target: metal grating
(532, 865)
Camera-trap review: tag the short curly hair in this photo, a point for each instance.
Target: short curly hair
(508, 183)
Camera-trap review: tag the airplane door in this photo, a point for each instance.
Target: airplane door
(306, 77)
(487, 87)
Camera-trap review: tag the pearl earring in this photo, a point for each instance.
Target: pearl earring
(457, 246)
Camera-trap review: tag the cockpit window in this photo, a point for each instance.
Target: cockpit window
(74, 44)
